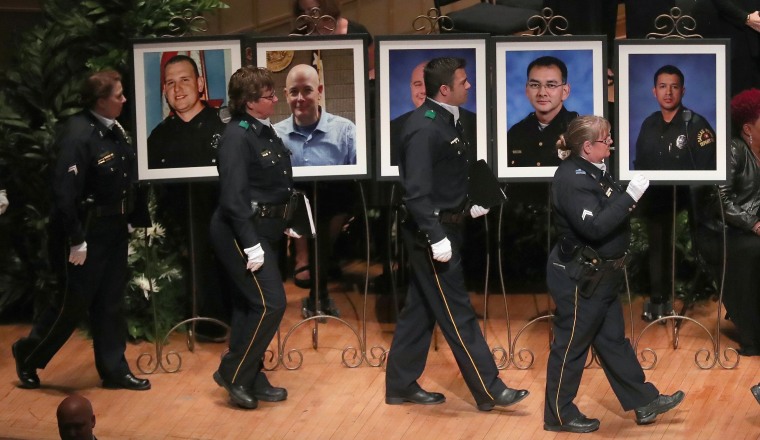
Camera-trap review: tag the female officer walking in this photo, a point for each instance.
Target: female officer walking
(255, 179)
(584, 274)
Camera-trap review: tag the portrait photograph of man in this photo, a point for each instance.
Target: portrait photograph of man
(672, 112)
(180, 105)
(540, 88)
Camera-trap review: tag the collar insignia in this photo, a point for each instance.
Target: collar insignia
(430, 114)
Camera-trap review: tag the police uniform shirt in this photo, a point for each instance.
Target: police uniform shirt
(672, 146)
(529, 145)
(469, 122)
(175, 143)
(591, 207)
(95, 163)
(433, 166)
(254, 165)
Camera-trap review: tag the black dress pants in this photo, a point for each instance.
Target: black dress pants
(94, 289)
(258, 299)
(437, 294)
(580, 323)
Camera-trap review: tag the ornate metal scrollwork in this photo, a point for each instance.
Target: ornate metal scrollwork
(315, 23)
(433, 22)
(674, 25)
(539, 25)
(187, 24)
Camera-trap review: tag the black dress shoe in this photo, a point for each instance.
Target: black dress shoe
(662, 404)
(420, 397)
(126, 382)
(27, 376)
(506, 398)
(578, 425)
(238, 394)
(263, 390)
(748, 351)
(755, 389)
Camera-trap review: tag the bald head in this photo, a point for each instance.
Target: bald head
(417, 84)
(303, 91)
(75, 418)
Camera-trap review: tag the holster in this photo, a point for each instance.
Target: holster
(582, 265)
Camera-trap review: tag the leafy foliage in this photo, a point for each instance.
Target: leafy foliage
(39, 89)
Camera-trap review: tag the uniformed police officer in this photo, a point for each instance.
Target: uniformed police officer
(93, 204)
(531, 142)
(674, 138)
(433, 166)
(256, 180)
(189, 136)
(584, 276)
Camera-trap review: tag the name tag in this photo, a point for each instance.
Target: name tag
(105, 158)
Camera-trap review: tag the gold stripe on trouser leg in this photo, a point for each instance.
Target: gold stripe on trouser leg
(253, 338)
(66, 294)
(562, 370)
(451, 317)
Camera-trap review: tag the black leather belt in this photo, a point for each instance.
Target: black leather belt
(266, 210)
(454, 218)
(119, 208)
(617, 263)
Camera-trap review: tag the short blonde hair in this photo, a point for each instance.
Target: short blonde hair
(582, 129)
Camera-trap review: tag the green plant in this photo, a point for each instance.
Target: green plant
(37, 90)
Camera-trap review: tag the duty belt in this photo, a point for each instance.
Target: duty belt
(118, 208)
(267, 210)
(617, 263)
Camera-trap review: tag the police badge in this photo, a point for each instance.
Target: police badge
(681, 142)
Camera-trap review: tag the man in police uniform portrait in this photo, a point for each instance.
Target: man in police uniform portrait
(674, 138)
(189, 136)
(532, 141)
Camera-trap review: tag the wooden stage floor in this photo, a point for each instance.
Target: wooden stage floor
(327, 400)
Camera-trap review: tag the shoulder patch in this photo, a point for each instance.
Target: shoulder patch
(705, 136)
(245, 125)
(430, 114)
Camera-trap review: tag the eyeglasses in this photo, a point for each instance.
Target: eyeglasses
(535, 85)
(607, 141)
(271, 97)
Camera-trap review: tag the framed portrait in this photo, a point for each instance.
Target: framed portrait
(321, 112)
(401, 89)
(673, 118)
(180, 104)
(540, 85)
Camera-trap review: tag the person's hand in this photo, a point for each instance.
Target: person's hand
(756, 229)
(442, 250)
(78, 253)
(754, 21)
(291, 233)
(477, 211)
(637, 186)
(3, 201)
(255, 258)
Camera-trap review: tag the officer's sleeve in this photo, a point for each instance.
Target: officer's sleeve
(68, 183)
(577, 200)
(703, 144)
(417, 178)
(234, 197)
(735, 215)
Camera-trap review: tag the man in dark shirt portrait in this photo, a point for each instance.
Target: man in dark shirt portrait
(189, 136)
(532, 141)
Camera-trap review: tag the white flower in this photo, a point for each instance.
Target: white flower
(147, 286)
(156, 230)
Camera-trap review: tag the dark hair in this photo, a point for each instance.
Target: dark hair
(326, 7)
(246, 85)
(439, 72)
(582, 129)
(745, 108)
(548, 61)
(183, 58)
(98, 85)
(670, 70)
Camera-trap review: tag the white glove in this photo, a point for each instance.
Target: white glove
(477, 211)
(3, 201)
(255, 257)
(291, 233)
(637, 186)
(130, 229)
(78, 253)
(442, 250)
